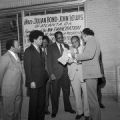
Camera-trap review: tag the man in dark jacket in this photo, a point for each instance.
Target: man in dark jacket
(36, 76)
(58, 75)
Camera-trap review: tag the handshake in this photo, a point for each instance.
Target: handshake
(68, 57)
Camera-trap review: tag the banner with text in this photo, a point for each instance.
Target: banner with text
(68, 23)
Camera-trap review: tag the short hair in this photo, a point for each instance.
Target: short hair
(47, 38)
(58, 32)
(35, 34)
(88, 31)
(10, 43)
(75, 37)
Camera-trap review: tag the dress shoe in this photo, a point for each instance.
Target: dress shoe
(86, 117)
(101, 106)
(53, 115)
(47, 112)
(79, 116)
(70, 111)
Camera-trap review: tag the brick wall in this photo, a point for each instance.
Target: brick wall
(102, 17)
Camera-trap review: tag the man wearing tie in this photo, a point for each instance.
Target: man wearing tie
(45, 45)
(76, 76)
(36, 76)
(11, 79)
(59, 75)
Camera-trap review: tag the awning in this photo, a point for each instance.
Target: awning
(4, 4)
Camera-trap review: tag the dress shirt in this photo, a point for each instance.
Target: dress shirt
(58, 44)
(36, 47)
(14, 55)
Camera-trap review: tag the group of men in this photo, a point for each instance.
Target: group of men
(45, 75)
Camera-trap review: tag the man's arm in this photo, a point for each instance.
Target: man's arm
(4, 62)
(27, 67)
(88, 52)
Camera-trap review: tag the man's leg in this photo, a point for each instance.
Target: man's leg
(85, 99)
(95, 112)
(18, 107)
(8, 108)
(48, 89)
(32, 113)
(65, 85)
(99, 93)
(41, 103)
(55, 93)
(76, 85)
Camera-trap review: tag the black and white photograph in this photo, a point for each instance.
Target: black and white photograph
(59, 60)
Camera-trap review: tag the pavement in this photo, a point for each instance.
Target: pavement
(111, 111)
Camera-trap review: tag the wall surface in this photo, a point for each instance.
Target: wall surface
(102, 17)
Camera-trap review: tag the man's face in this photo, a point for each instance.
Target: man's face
(38, 41)
(45, 43)
(16, 47)
(83, 37)
(75, 42)
(59, 38)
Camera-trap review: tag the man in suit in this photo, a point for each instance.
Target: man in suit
(45, 45)
(11, 79)
(58, 75)
(91, 70)
(77, 82)
(101, 82)
(36, 76)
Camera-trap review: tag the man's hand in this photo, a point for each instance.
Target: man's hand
(70, 60)
(33, 85)
(53, 77)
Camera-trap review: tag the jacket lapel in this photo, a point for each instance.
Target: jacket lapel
(40, 55)
(57, 49)
(17, 63)
(35, 51)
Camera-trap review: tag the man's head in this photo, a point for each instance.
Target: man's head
(45, 42)
(86, 32)
(36, 37)
(13, 45)
(75, 40)
(59, 37)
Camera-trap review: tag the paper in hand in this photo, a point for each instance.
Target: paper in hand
(65, 57)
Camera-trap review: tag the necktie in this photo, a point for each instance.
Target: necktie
(45, 51)
(77, 51)
(61, 49)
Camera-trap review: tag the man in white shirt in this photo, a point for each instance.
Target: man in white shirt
(11, 79)
(76, 76)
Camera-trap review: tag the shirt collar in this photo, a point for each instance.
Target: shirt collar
(13, 54)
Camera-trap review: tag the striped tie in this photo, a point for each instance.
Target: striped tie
(61, 49)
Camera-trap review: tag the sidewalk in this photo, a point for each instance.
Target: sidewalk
(111, 112)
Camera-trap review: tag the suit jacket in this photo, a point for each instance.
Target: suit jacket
(11, 75)
(90, 59)
(34, 65)
(54, 67)
(74, 68)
